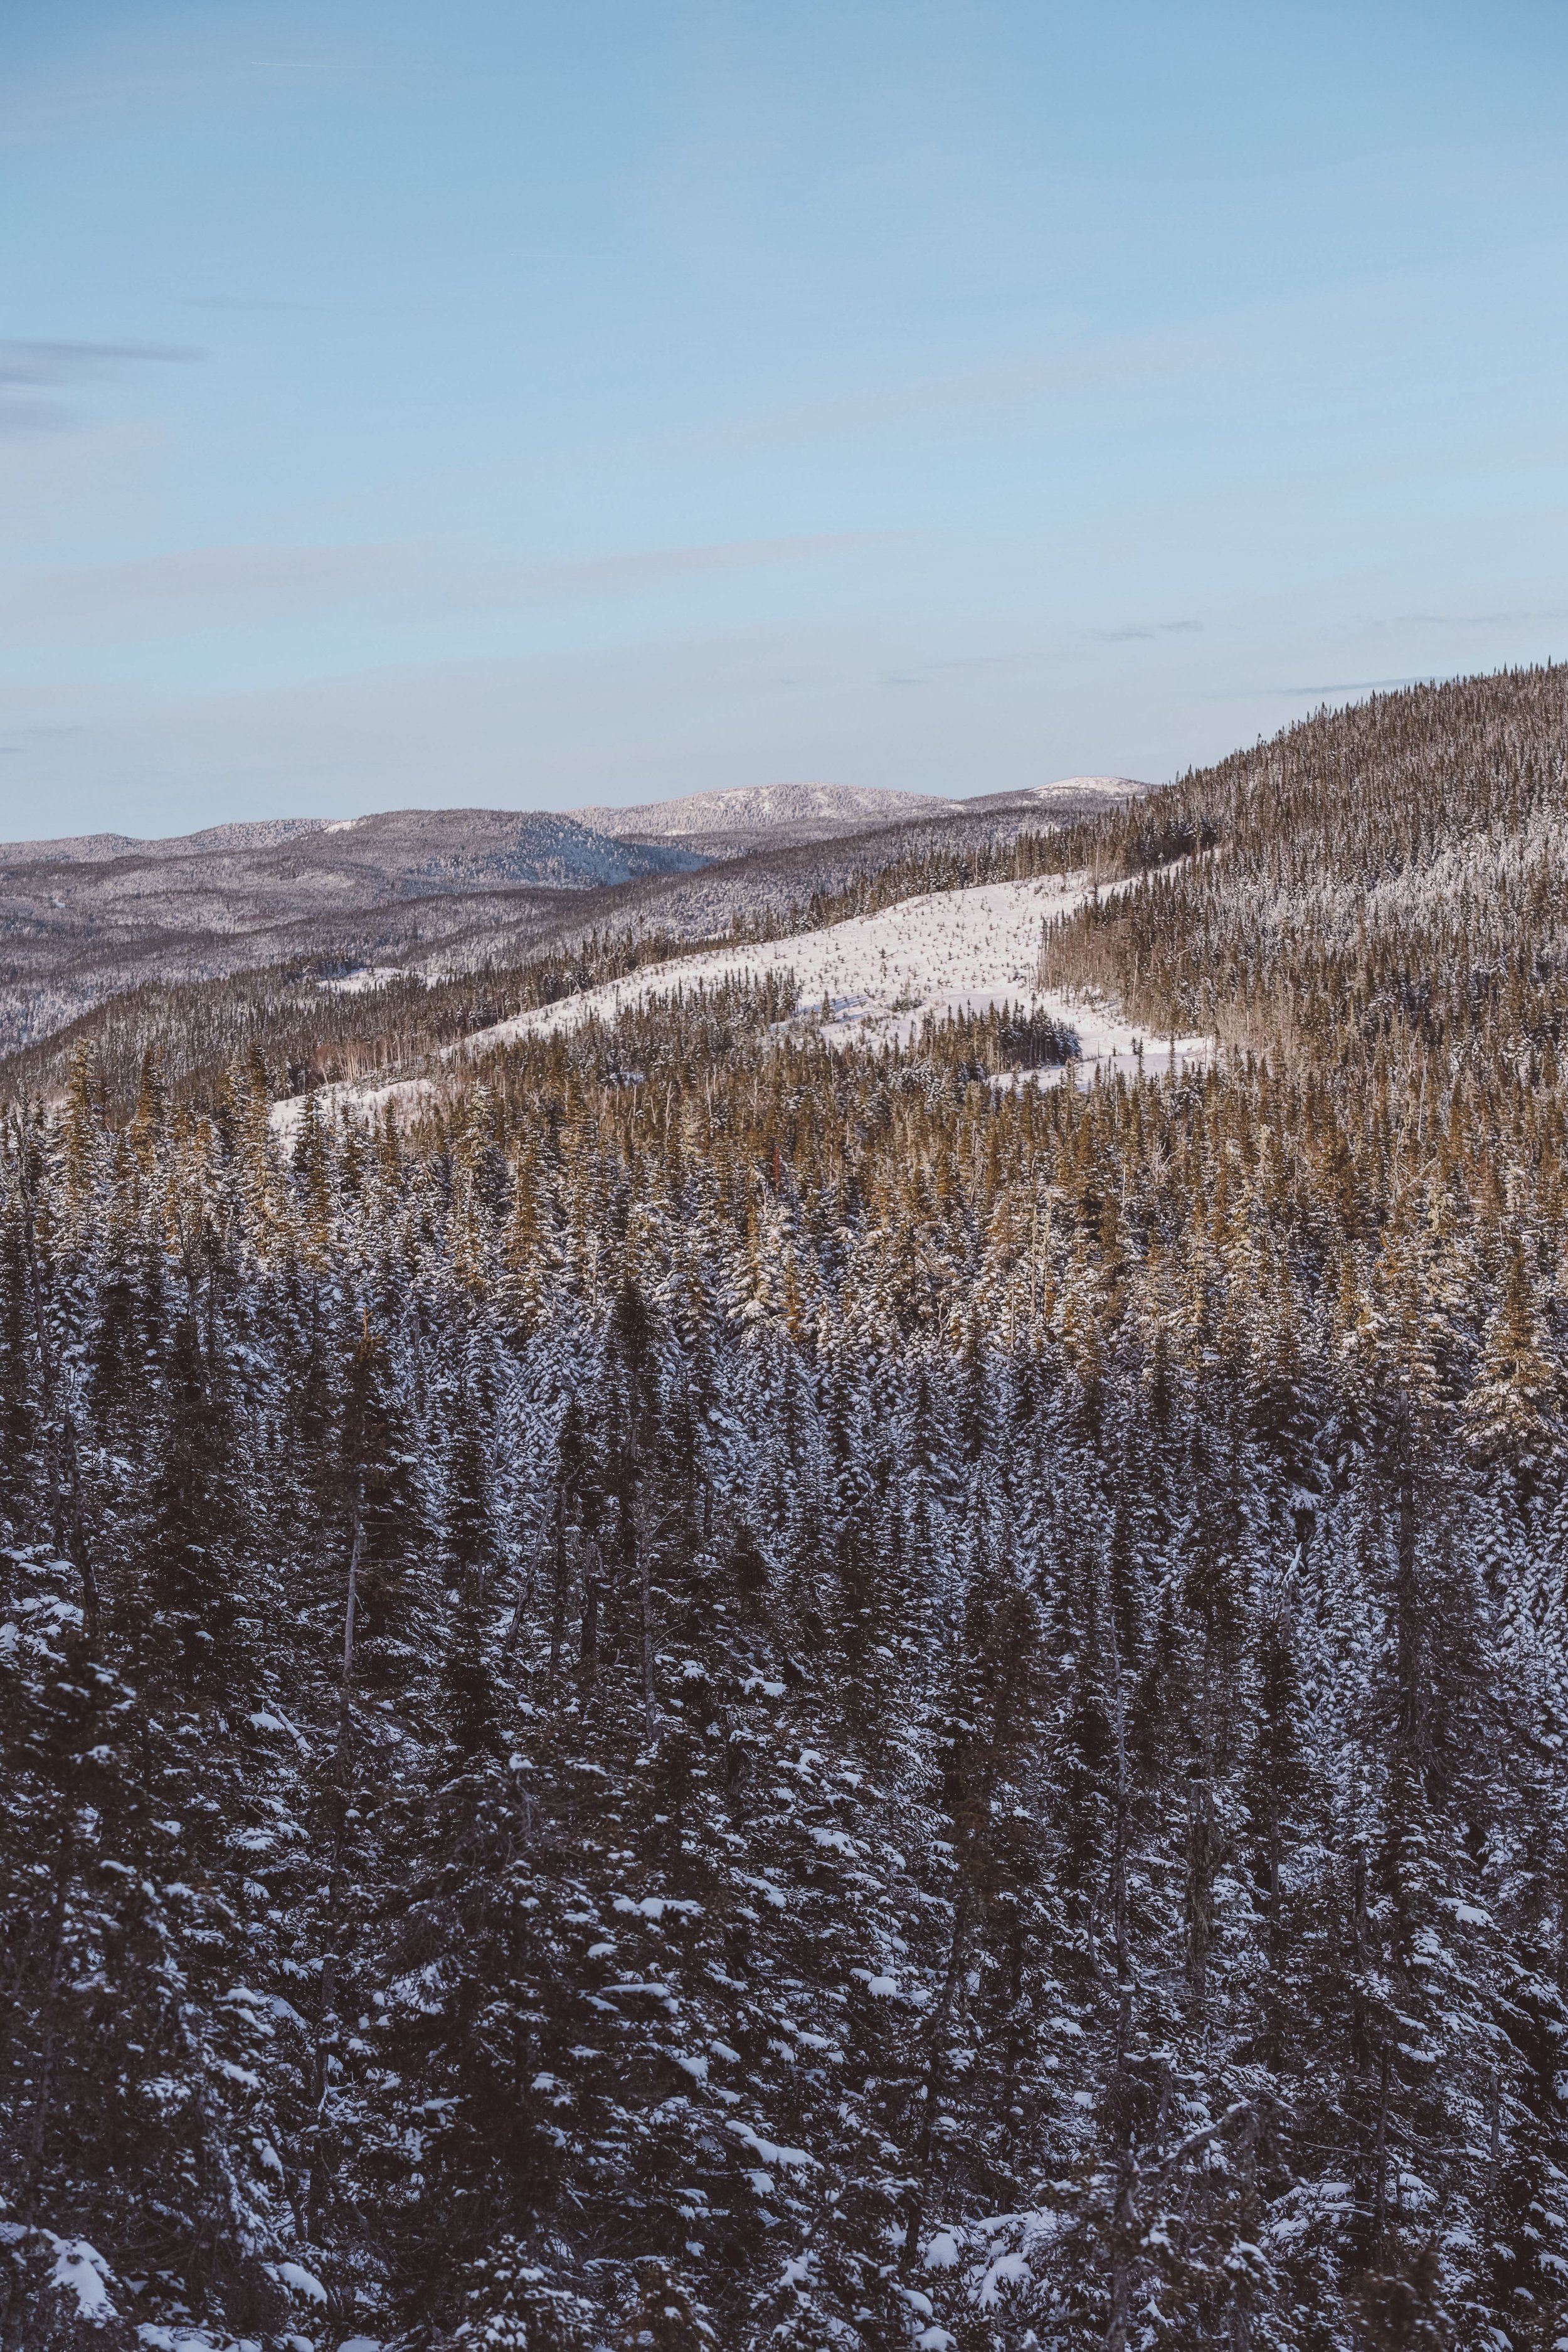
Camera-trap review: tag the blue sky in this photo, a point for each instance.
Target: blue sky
(530, 405)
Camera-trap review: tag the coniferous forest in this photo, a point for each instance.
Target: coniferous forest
(738, 1692)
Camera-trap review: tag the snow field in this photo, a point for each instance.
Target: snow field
(873, 979)
(879, 976)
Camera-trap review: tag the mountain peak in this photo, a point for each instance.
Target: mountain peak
(740, 817)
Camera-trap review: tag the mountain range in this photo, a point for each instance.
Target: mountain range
(84, 918)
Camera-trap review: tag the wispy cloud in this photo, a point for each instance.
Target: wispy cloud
(148, 594)
(65, 363)
(1132, 630)
(33, 376)
(225, 587)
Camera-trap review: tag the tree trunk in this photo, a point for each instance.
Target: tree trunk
(343, 1777)
(645, 1597)
(558, 1590)
(1203, 1855)
(931, 2093)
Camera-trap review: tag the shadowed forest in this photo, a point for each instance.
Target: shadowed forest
(751, 1694)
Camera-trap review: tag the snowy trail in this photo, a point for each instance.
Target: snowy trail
(951, 952)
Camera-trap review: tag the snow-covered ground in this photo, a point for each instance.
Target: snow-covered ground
(879, 976)
(875, 978)
(753, 809)
(354, 983)
(1105, 788)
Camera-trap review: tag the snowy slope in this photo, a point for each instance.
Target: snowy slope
(1101, 788)
(99, 848)
(951, 952)
(729, 822)
(771, 816)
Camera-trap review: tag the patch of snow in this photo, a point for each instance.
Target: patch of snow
(1007, 2270)
(300, 2282)
(403, 1097)
(196, 2339)
(1110, 788)
(875, 977)
(355, 983)
(782, 2158)
(872, 979)
(81, 2270)
(1467, 1915)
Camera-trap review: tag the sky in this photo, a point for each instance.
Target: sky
(524, 406)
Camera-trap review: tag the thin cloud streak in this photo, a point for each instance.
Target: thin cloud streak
(225, 587)
(1133, 632)
(65, 362)
(31, 371)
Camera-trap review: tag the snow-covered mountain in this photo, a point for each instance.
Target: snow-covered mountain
(722, 823)
(729, 823)
(87, 918)
(1098, 788)
(97, 848)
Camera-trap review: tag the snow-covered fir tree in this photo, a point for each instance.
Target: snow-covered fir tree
(723, 1691)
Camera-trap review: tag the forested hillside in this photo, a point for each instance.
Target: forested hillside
(477, 948)
(751, 1694)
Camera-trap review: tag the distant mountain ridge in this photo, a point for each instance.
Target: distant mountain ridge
(1104, 788)
(97, 848)
(737, 818)
(84, 918)
(727, 821)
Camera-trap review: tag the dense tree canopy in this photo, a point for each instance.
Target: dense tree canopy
(752, 1694)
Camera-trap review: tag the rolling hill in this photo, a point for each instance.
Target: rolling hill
(435, 892)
